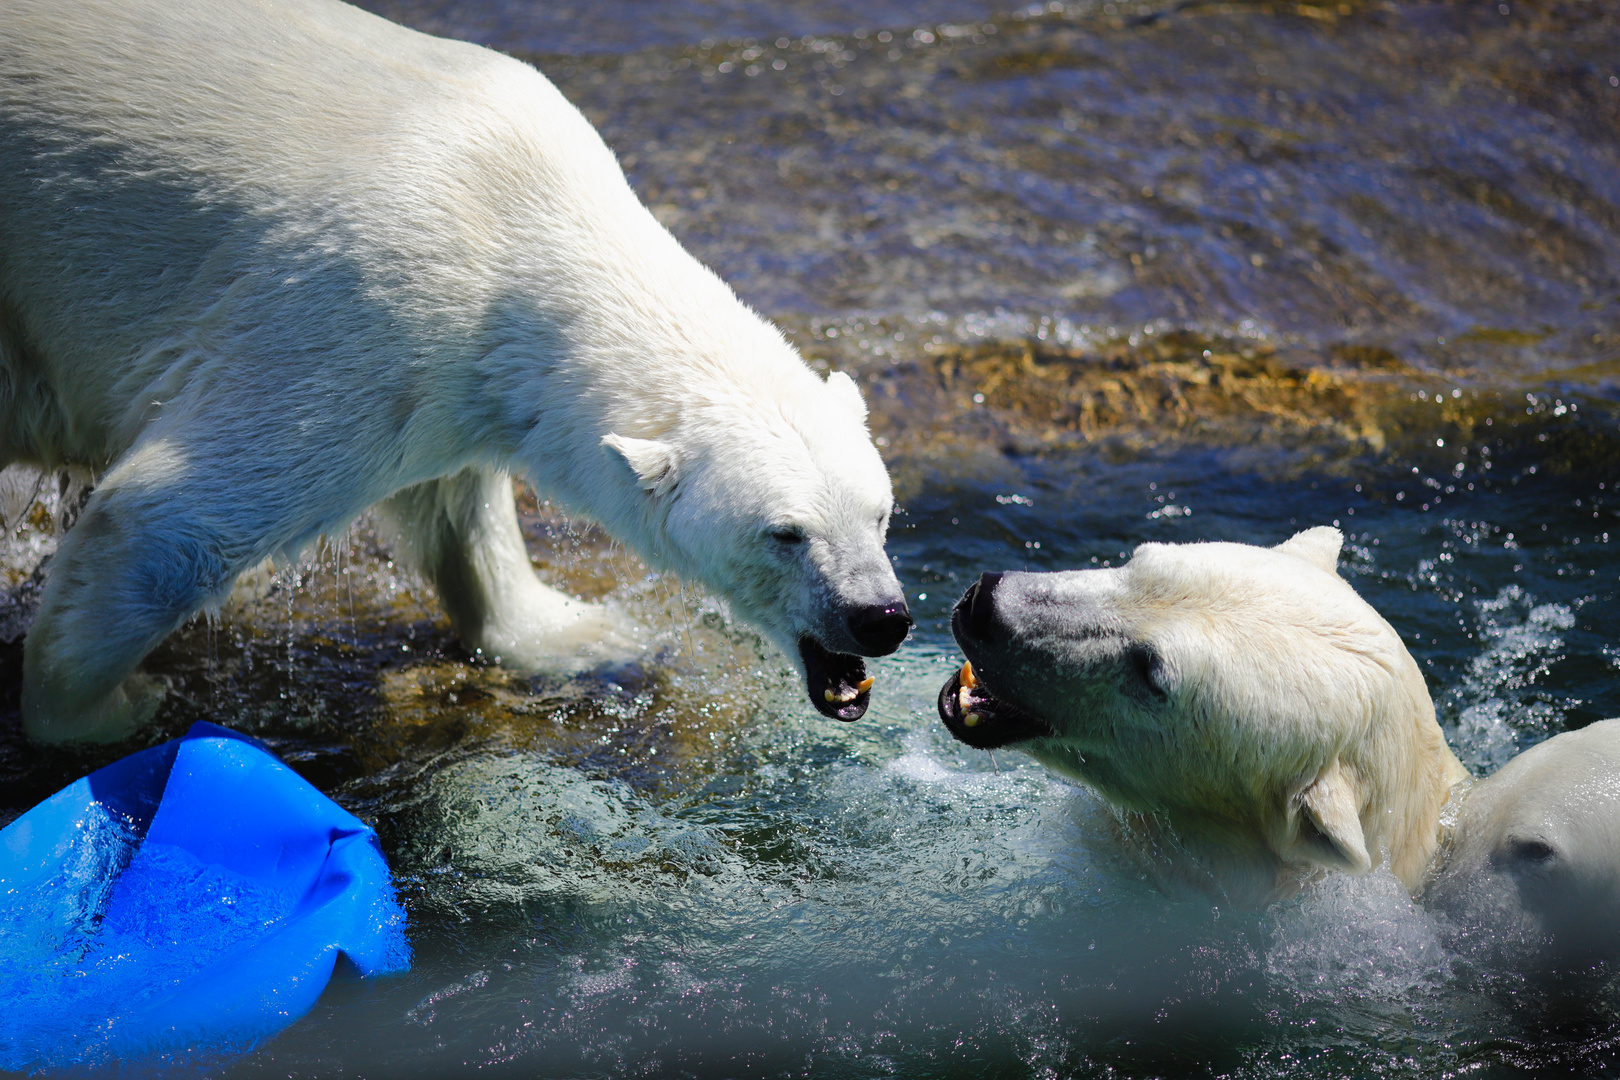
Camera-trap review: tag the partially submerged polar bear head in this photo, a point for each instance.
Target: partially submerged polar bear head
(1533, 861)
(775, 497)
(1246, 696)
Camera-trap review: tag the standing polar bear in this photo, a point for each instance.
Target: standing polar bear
(266, 264)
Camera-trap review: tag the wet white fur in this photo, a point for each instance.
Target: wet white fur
(264, 263)
(1287, 730)
(1294, 731)
(1534, 858)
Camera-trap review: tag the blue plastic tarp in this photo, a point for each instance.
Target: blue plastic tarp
(193, 898)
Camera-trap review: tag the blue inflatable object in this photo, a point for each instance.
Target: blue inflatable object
(190, 899)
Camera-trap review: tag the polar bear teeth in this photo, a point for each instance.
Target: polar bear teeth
(836, 683)
(845, 695)
(964, 695)
(977, 717)
(975, 706)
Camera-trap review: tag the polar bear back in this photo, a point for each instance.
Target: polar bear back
(201, 194)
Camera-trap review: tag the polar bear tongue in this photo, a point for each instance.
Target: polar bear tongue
(974, 716)
(837, 682)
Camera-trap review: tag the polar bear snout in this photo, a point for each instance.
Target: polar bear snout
(977, 606)
(1031, 628)
(982, 711)
(880, 628)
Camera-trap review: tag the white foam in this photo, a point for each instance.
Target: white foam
(1493, 704)
(1354, 937)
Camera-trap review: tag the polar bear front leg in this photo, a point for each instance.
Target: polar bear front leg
(462, 533)
(129, 572)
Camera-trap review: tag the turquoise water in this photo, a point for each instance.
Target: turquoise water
(1160, 272)
(693, 874)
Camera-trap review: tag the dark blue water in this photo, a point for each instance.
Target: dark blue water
(1109, 273)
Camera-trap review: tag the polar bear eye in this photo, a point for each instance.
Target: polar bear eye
(1533, 852)
(787, 534)
(1142, 661)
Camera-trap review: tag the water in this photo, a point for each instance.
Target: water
(142, 920)
(1109, 273)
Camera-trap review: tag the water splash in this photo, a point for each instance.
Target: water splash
(113, 949)
(36, 507)
(1498, 707)
(1354, 938)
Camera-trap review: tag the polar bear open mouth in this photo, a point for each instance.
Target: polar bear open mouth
(838, 684)
(975, 717)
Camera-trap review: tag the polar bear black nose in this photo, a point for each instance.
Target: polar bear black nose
(978, 605)
(879, 630)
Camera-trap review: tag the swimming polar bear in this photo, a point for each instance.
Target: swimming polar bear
(1244, 696)
(264, 265)
(1532, 864)
(1249, 700)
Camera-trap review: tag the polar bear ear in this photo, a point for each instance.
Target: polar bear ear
(844, 386)
(1330, 823)
(653, 462)
(1319, 546)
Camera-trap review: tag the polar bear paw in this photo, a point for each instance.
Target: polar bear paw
(120, 714)
(568, 639)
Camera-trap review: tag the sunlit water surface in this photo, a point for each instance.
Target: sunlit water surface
(1110, 273)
